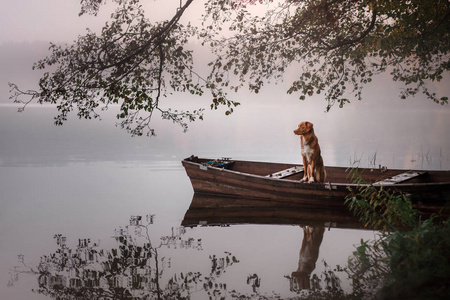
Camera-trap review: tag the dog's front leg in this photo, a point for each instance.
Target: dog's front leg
(311, 167)
(305, 170)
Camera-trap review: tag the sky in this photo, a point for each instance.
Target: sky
(44, 20)
(56, 20)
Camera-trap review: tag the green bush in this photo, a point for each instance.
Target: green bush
(410, 259)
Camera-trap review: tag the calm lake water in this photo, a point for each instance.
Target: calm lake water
(86, 179)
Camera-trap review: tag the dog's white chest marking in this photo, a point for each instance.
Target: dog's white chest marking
(307, 151)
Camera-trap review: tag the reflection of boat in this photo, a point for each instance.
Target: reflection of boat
(280, 182)
(209, 210)
(213, 210)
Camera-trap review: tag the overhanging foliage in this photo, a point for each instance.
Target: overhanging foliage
(335, 46)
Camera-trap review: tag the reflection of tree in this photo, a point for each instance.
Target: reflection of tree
(134, 270)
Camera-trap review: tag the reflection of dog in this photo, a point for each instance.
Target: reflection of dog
(312, 160)
(312, 238)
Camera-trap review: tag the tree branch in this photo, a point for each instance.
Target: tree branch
(158, 37)
(355, 40)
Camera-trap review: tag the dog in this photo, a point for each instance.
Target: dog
(314, 169)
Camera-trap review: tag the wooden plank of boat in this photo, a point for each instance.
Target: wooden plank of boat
(286, 173)
(400, 178)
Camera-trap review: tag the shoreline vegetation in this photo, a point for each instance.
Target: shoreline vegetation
(409, 259)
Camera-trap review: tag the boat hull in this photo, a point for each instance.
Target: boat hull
(256, 185)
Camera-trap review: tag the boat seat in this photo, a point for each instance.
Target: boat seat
(400, 178)
(286, 173)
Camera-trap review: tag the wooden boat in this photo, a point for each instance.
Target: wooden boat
(280, 182)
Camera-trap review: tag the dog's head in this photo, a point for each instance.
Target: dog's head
(304, 128)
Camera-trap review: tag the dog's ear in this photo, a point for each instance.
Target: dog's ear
(309, 126)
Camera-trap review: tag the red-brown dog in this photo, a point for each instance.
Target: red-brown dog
(312, 160)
